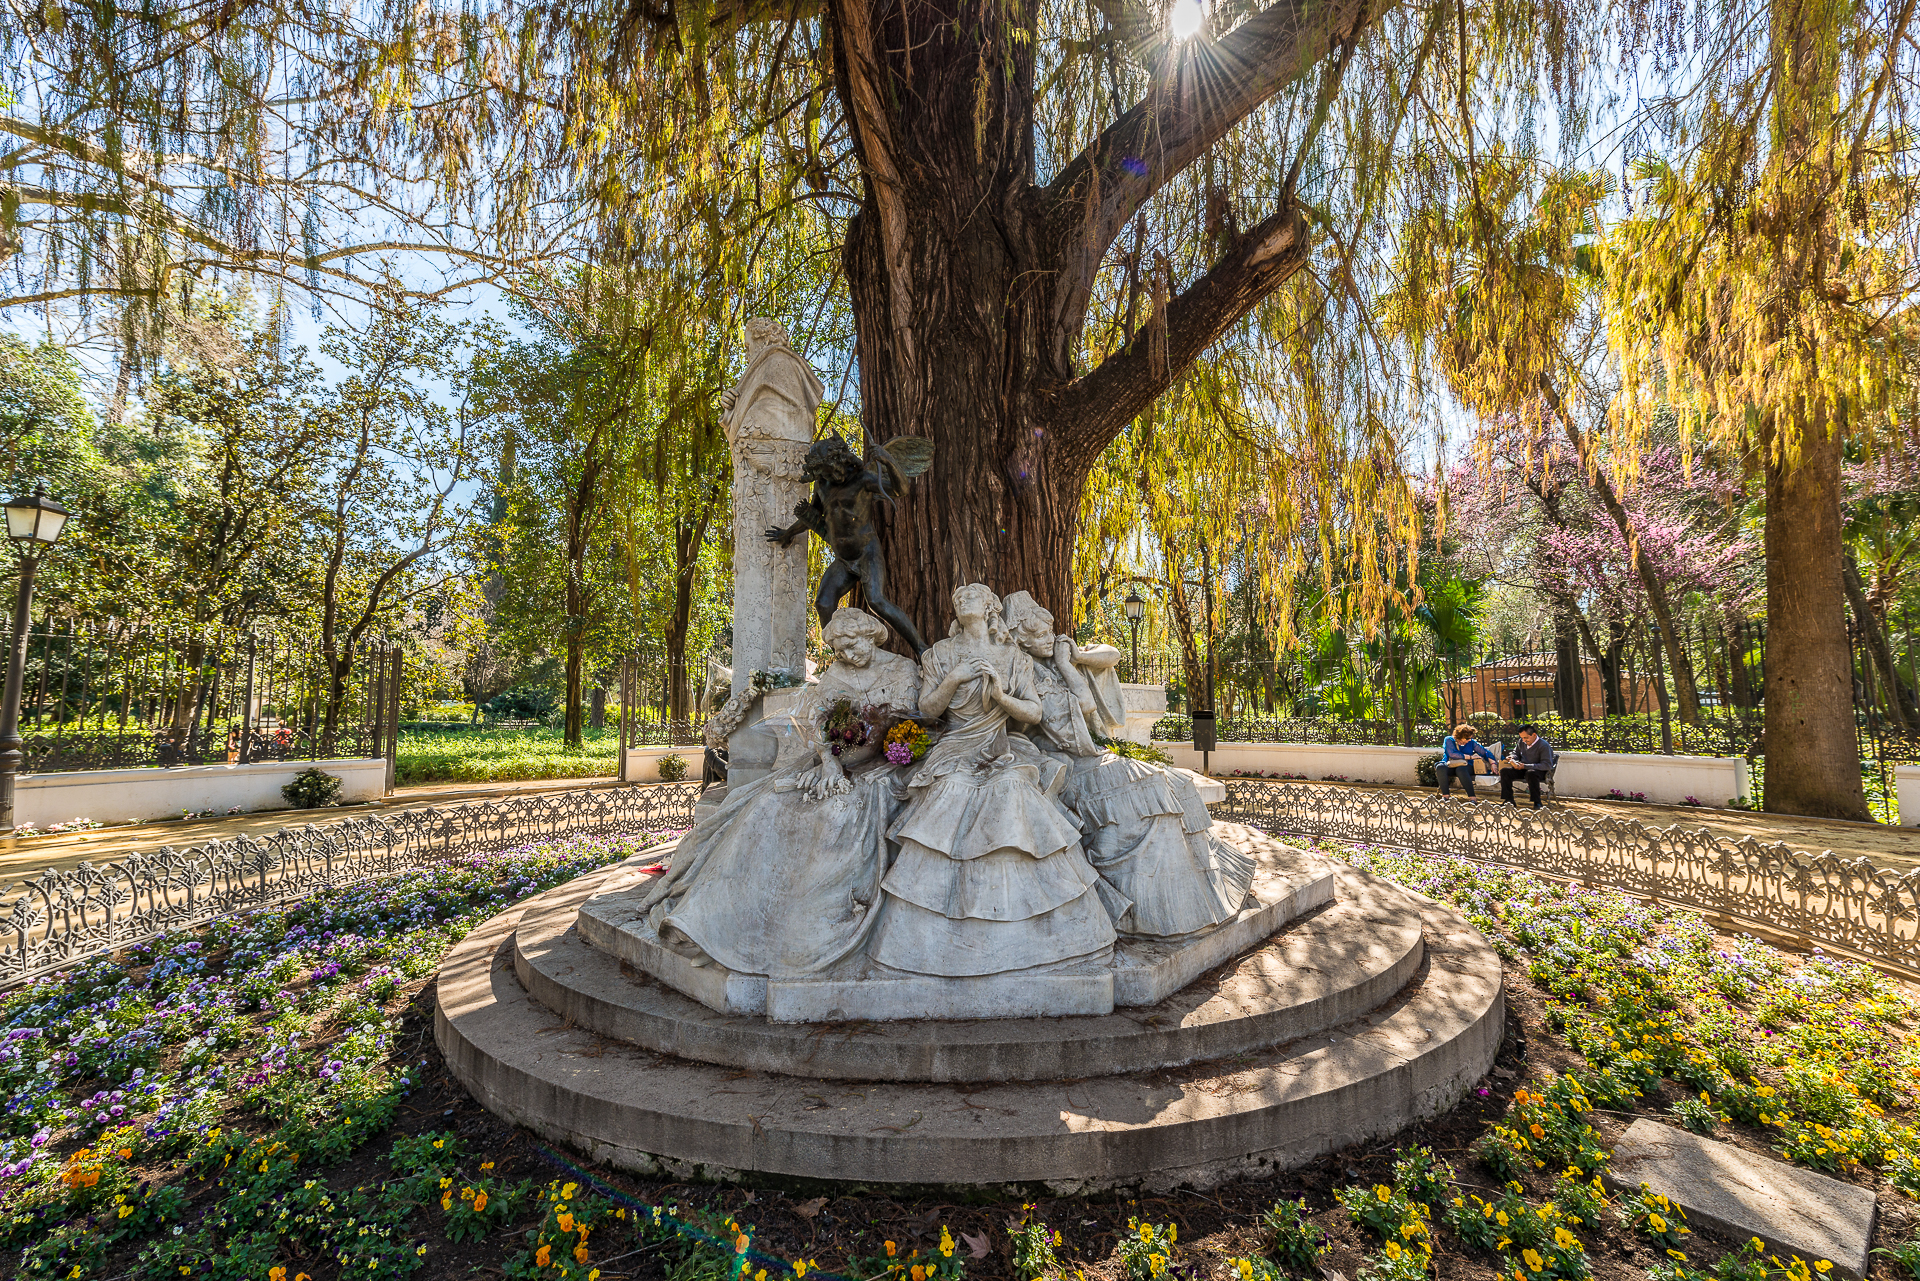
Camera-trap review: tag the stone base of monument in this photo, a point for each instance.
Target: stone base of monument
(1366, 1011)
(1139, 972)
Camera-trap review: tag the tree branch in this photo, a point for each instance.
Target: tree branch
(1206, 89)
(1093, 408)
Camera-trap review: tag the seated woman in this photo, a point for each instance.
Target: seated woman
(780, 879)
(1144, 826)
(990, 877)
(1457, 755)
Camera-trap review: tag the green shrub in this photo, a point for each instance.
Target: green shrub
(521, 703)
(1137, 751)
(312, 789)
(1427, 769)
(1698, 1115)
(673, 768)
(1293, 1241)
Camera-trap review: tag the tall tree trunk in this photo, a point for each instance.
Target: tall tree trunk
(1679, 662)
(689, 536)
(970, 282)
(1569, 684)
(1607, 659)
(1739, 672)
(1813, 755)
(1813, 758)
(574, 733)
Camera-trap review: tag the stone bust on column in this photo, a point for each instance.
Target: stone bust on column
(769, 421)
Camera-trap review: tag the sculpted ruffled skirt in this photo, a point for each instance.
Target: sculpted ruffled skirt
(1148, 832)
(990, 878)
(776, 884)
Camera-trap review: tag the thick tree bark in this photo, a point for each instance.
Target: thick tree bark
(970, 282)
(1813, 758)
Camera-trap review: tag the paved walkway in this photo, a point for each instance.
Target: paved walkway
(1894, 847)
(109, 844)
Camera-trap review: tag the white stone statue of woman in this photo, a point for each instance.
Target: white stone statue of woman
(989, 877)
(781, 878)
(1143, 826)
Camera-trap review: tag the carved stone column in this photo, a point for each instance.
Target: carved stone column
(769, 426)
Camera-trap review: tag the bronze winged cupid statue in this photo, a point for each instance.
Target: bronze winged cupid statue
(841, 512)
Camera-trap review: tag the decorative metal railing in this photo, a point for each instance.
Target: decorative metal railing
(1848, 905)
(63, 916)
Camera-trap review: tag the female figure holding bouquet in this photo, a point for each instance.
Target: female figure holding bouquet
(781, 878)
(990, 876)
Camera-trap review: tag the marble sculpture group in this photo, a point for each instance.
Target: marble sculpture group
(1014, 843)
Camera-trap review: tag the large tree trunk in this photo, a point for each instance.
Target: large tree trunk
(970, 283)
(1813, 759)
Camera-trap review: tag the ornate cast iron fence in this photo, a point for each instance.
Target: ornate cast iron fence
(112, 696)
(1868, 911)
(61, 917)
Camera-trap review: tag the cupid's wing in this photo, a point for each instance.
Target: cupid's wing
(910, 455)
(901, 459)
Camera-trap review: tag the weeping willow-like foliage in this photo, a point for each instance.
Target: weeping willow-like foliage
(696, 151)
(1768, 283)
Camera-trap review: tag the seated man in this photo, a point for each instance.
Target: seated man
(1534, 757)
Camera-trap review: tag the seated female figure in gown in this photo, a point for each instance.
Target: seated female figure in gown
(989, 877)
(1143, 826)
(781, 878)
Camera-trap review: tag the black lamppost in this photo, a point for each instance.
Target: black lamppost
(34, 523)
(1136, 609)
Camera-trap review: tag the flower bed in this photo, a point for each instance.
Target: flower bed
(261, 1099)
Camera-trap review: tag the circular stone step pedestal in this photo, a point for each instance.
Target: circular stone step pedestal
(1358, 1018)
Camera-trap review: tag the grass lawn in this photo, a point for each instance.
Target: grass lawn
(502, 756)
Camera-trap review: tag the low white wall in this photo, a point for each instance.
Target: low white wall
(643, 763)
(1315, 760)
(129, 795)
(1906, 791)
(1666, 780)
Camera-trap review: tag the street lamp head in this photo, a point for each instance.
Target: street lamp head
(1135, 607)
(35, 519)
